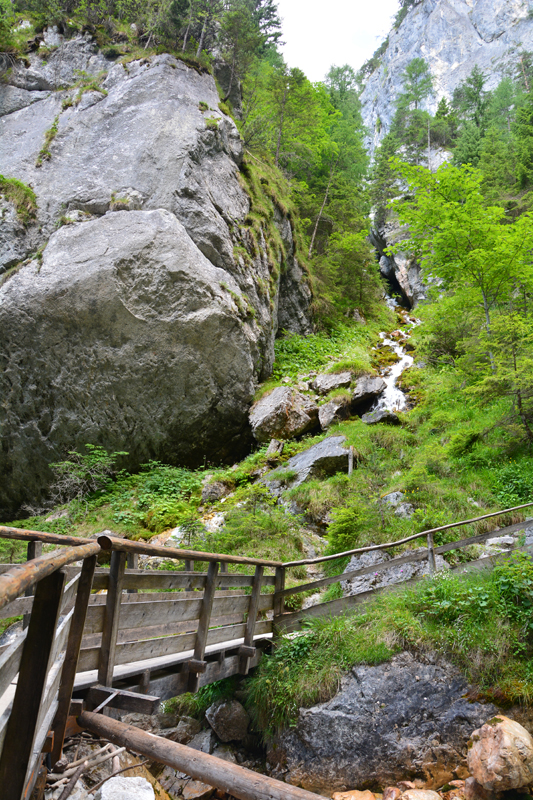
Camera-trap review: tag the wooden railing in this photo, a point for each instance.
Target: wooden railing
(151, 635)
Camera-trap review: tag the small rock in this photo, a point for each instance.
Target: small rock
(393, 498)
(475, 791)
(391, 793)
(167, 719)
(501, 756)
(325, 458)
(420, 794)
(333, 411)
(282, 414)
(404, 511)
(229, 720)
(367, 388)
(325, 383)
(203, 741)
(212, 492)
(120, 788)
(274, 449)
(381, 415)
(354, 794)
(186, 729)
(196, 790)
(404, 785)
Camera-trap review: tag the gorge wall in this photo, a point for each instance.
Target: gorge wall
(138, 310)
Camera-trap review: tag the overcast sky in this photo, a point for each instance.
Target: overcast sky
(319, 33)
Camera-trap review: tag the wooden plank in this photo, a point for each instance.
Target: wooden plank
(127, 701)
(279, 587)
(24, 535)
(14, 582)
(152, 580)
(21, 727)
(112, 618)
(68, 676)
(237, 781)
(23, 605)
(133, 563)
(142, 615)
(10, 661)
(203, 622)
(149, 597)
(251, 620)
(34, 550)
(333, 608)
(127, 546)
(40, 740)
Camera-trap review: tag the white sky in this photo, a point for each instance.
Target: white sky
(319, 33)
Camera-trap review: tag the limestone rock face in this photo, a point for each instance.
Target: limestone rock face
(385, 577)
(138, 328)
(501, 756)
(282, 414)
(325, 458)
(452, 36)
(325, 382)
(407, 718)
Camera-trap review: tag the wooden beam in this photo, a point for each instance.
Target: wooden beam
(279, 586)
(203, 622)
(255, 598)
(127, 701)
(237, 781)
(133, 563)
(431, 554)
(21, 727)
(75, 637)
(111, 620)
(127, 546)
(24, 535)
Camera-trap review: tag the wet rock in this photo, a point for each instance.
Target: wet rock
(501, 755)
(203, 741)
(354, 794)
(325, 383)
(420, 794)
(282, 414)
(475, 791)
(406, 719)
(381, 415)
(325, 458)
(367, 388)
(120, 788)
(334, 411)
(186, 729)
(196, 790)
(229, 720)
(386, 577)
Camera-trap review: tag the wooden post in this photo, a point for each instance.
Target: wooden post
(111, 619)
(203, 626)
(279, 586)
(431, 553)
(350, 461)
(189, 565)
(133, 563)
(231, 778)
(224, 571)
(248, 644)
(75, 636)
(33, 672)
(34, 550)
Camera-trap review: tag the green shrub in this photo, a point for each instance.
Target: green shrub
(49, 136)
(22, 196)
(83, 473)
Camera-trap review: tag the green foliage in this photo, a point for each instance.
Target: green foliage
(22, 196)
(49, 136)
(195, 705)
(513, 482)
(83, 473)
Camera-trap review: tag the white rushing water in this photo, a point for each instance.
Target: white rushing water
(393, 398)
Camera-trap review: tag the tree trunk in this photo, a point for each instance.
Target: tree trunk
(231, 77)
(331, 173)
(280, 129)
(202, 37)
(487, 320)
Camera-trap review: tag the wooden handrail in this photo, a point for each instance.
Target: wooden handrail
(17, 580)
(386, 545)
(127, 546)
(40, 536)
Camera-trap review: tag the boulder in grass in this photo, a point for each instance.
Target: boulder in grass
(381, 415)
(325, 458)
(229, 720)
(501, 755)
(326, 382)
(283, 414)
(367, 388)
(333, 411)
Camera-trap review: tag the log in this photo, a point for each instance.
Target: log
(126, 546)
(208, 601)
(39, 536)
(239, 782)
(111, 619)
(127, 701)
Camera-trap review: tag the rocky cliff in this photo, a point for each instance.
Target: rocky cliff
(138, 309)
(453, 36)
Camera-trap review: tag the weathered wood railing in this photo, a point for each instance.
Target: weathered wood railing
(164, 632)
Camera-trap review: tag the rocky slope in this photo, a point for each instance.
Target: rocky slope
(148, 318)
(453, 36)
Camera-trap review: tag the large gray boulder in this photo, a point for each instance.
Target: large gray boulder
(405, 719)
(367, 388)
(325, 458)
(327, 382)
(385, 577)
(143, 329)
(283, 413)
(229, 720)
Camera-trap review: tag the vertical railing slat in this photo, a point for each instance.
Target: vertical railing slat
(203, 624)
(244, 660)
(111, 619)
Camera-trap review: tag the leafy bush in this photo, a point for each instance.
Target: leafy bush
(22, 197)
(83, 473)
(513, 482)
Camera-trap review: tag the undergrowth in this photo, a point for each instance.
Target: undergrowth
(22, 196)
(482, 622)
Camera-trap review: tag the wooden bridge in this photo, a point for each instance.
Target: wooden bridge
(121, 637)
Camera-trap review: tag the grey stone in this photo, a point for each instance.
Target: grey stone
(121, 788)
(367, 388)
(325, 458)
(405, 719)
(325, 382)
(13, 99)
(393, 498)
(386, 577)
(282, 414)
(404, 511)
(203, 741)
(381, 415)
(229, 720)
(186, 729)
(212, 492)
(334, 411)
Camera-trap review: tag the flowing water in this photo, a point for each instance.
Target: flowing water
(393, 398)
